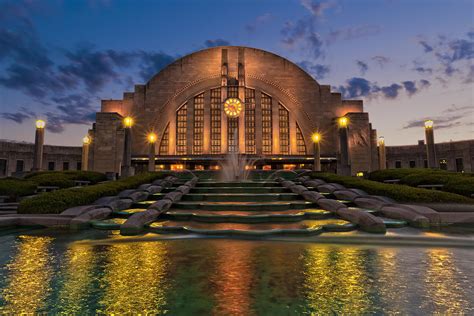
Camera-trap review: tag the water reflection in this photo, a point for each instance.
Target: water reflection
(29, 276)
(445, 291)
(335, 281)
(77, 280)
(133, 279)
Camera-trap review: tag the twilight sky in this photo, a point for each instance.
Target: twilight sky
(408, 59)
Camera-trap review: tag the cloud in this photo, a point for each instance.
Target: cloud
(426, 47)
(95, 68)
(302, 33)
(259, 20)
(363, 67)
(360, 87)
(381, 60)
(423, 70)
(216, 42)
(316, 8)
(351, 33)
(451, 117)
(18, 117)
(317, 71)
(153, 62)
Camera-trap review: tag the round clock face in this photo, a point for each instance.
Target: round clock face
(232, 107)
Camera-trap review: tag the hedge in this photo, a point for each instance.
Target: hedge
(14, 188)
(459, 183)
(399, 192)
(57, 201)
(44, 177)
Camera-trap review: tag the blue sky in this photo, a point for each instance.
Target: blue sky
(408, 60)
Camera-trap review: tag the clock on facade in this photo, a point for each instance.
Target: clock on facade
(232, 107)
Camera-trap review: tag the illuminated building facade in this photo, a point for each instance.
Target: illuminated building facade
(232, 99)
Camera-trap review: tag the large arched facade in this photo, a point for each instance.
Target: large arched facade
(231, 99)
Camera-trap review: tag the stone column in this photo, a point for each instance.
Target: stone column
(344, 147)
(207, 123)
(39, 143)
(275, 127)
(86, 141)
(382, 154)
(190, 126)
(151, 157)
(430, 145)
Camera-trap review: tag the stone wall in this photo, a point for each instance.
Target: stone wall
(449, 152)
(12, 153)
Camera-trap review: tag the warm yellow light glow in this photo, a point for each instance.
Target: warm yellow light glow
(151, 138)
(428, 124)
(316, 137)
(360, 174)
(343, 121)
(128, 121)
(232, 107)
(381, 140)
(86, 140)
(40, 124)
(177, 167)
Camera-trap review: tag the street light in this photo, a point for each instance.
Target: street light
(429, 124)
(382, 155)
(343, 122)
(344, 163)
(127, 169)
(128, 122)
(39, 142)
(151, 154)
(430, 144)
(85, 152)
(316, 138)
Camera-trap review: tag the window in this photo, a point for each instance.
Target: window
(181, 127)
(459, 165)
(266, 102)
(412, 164)
(51, 166)
(233, 123)
(250, 121)
(398, 164)
(300, 145)
(233, 134)
(65, 165)
(20, 166)
(284, 123)
(3, 167)
(443, 164)
(216, 121)
(164, 145)
(198, 124)
(79, 165)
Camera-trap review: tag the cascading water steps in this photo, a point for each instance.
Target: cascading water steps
(250, 208)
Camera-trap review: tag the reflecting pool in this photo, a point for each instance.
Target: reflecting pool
(99, 272)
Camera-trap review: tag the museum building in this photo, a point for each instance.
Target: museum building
(232, 99)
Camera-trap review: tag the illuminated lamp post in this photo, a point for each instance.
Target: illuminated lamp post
(86, 141)
(127, 169)
(430, 144)
(151, 154)
(382, 155)
(39, 142)
(343, 123)
(316, 137)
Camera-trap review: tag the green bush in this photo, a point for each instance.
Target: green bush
(60, 200)
(56, 179)
(91, 176)
(14, 188)
(459, 183)
(399, 192)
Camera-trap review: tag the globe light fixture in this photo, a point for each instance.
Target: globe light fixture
(128, 122)
(428, 124)
(381, 141)
(40, 124)
(86, 140)
(151, 138)
(343, 121)
(316, 137)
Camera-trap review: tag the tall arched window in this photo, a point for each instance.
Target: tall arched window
(250, 147)
(284, 126)
(198, 124)
(216, 109)
(165, 142)
(300, 145)
(181, 126)
(266, 103)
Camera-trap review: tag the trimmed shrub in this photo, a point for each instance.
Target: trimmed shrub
(56, 179)
(399, 192)
(459, 183)
(14, 188)
(60, 200)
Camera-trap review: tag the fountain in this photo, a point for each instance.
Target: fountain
(236, 167)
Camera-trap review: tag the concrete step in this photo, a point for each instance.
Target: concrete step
(251, 184)
(244, 206)
(241, 197)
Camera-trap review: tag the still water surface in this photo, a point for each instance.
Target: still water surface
(62, 273)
